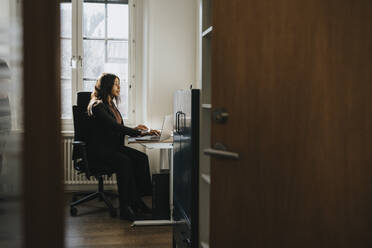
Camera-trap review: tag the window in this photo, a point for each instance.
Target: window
(95, 38)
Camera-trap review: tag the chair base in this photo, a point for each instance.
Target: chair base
(100, 193)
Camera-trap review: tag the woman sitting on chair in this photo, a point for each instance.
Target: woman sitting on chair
(106, 142)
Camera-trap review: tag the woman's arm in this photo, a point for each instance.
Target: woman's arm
(101, 114)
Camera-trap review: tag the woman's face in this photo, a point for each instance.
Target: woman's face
(116, 88)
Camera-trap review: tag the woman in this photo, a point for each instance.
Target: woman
(107, 143)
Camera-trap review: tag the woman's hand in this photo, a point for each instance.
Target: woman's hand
(141, 128)
(144, 130)
(153, 132)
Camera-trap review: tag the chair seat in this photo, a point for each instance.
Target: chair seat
(101, 171)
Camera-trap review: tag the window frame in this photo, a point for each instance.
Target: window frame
(77, 51)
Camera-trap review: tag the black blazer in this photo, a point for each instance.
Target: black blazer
(106, 135)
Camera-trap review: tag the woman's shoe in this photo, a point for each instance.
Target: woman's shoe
(141, 207)
(127, 213)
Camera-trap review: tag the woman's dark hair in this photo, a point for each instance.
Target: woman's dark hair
(102, 90)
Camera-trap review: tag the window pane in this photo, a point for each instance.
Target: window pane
(65, 58)
(117, 51)
(66, 20)
(89, 85)
(117, 15)
(66, 99)
(110, 56)
(94, 58)
(66, 54)
(94, 20)
(123, 105)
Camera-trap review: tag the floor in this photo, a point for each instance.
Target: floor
(93, 227)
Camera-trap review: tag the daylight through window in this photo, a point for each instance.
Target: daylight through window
(94, 39)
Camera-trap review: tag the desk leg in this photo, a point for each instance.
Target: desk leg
(170, 156)
(163, 163)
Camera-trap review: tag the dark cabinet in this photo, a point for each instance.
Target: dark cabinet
(186, 167)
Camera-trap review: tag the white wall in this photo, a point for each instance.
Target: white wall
(169, 54)
(166, 58)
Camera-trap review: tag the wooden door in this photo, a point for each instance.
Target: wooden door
(296, 80)
(42, 171)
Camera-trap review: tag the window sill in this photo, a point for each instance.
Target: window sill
(67, 125)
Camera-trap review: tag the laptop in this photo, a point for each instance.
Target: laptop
(165, 132)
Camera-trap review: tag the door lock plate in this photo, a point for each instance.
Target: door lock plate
(220, 115)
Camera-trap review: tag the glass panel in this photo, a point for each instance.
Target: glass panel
(94, 20)
(89, 85)
(123, 105)
(11, 123)
(117, 51)
(66, 58)
(94, 58)
(66, 20)
(118, 19)
(111, 59)
(66, 54)
(66, 102)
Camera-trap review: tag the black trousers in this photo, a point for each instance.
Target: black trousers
(132, 173)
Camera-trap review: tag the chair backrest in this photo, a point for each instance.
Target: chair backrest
(81, 119)
(81, 133)
(82, 128)
(83, 99)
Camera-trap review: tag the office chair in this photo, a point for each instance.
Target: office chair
(81, 160)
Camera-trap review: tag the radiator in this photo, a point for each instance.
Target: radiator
(71, 176)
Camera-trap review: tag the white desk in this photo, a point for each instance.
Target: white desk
(164, 146)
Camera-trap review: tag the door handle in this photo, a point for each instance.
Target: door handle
(182, 129)
(177, 122)
(80, 58)
(180, 124)
(221, 153)
(220, 150)
(220, 115)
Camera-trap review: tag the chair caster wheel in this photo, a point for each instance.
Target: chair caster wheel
(113, 213)
(73, 211)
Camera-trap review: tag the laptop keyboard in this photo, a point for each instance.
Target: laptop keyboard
(149, 137)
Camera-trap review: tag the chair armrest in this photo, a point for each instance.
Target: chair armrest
(78, 143)
(79, 156)
(126, 140)
(78, 150)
